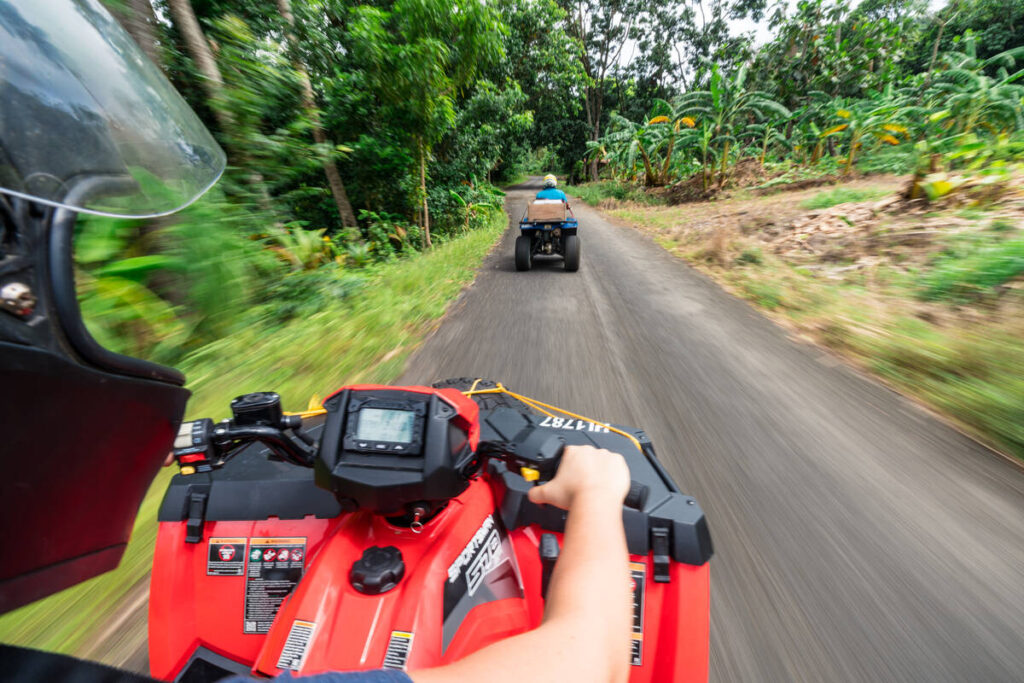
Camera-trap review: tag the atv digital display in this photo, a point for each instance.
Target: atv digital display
(379, 424)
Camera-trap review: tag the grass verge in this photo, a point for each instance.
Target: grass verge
(363, 339)
(843, 195)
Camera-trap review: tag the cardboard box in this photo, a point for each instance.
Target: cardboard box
(544, 212)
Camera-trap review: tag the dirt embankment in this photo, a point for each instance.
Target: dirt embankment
(747, 175)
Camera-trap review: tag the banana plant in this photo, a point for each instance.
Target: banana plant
(669, 127)
(975, 99)
(597, 150)
(628, 140)
(730, 107)
(880, 118)
(704, 139)
(766, 135)
(470, 209)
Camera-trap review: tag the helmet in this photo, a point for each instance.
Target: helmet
(550, 181)
(77, 114)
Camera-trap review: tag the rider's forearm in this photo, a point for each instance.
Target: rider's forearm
(593, 561)
(585, 633)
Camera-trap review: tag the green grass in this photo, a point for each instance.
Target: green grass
(973, 375)
(974, 268)
(842, 195)
(517, 179)
(593, 193)
(362, 339)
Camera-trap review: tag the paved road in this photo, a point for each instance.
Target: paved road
(857, 538)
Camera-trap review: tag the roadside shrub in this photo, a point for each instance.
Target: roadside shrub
(896, 160)
(973, 268)
(750, 255)
(593, 193)
(389, 234)
(303, 293)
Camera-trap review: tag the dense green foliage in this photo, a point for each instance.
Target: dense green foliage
(966, 114)
(356, 132)
(361, 132)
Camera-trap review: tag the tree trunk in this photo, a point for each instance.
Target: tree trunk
(137, 18)
(668, 160)
(423, 195)
(348, 217)
(649, 178)
(931, 62)
(854, 141)
(593, 105)
(213, 84)
(200, 52)
(725, 164)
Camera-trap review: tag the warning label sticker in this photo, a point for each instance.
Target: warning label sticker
(397, 655)
(275, 568)
(296, 646)
(637, 574)
(226, 557)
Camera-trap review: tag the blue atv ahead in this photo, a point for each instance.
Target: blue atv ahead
(548, 228)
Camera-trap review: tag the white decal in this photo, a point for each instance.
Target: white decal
(573, 424)
(489, 559)
(296, 645)
(467, 553)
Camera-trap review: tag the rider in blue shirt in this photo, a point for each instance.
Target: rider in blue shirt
(550, 190)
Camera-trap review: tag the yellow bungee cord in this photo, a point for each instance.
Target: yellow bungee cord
(499, 388)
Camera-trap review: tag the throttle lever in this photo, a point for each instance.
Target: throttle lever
(636, 498)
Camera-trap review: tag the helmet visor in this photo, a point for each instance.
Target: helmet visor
(80, 103)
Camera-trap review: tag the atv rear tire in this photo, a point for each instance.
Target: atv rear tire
(524, 252)
(572, 253)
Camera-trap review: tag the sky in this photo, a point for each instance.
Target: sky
(760, 29)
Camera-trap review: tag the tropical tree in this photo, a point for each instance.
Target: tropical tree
(602, 28)
(419, 55)
(334, 181)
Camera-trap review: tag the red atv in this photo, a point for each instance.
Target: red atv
(392, 529)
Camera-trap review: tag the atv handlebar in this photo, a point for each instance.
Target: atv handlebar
(535, 457)
(538, 456)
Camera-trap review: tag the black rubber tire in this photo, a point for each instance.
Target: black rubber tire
(571, 248)
(524, 252)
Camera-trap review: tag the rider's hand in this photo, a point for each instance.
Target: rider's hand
(585, 472)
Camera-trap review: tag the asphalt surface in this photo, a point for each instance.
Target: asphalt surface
(857, 538)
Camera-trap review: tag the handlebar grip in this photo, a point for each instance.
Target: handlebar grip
(636, 498)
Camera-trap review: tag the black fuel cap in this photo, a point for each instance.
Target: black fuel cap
(378, 570)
